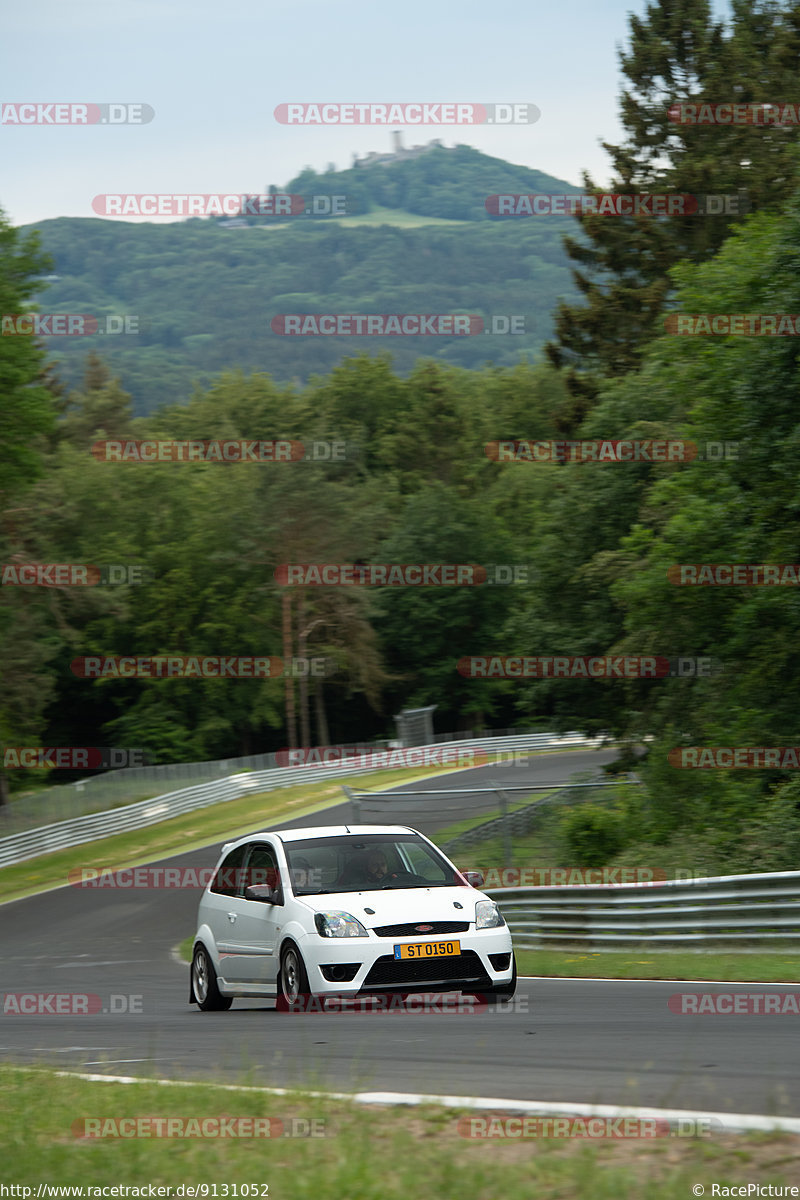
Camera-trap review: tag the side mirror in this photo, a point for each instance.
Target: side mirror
(474, 878)
(262, 892)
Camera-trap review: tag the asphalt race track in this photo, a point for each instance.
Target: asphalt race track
(566, 1040)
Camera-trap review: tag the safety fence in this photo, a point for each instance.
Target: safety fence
(61, 835)
(113, 789)
(370, 805)
(732, 911)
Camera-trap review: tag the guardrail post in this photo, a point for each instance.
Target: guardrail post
(355, 804)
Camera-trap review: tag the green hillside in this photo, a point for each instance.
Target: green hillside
(204, 292)
(429, 181)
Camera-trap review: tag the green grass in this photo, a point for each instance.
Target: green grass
(378, 216)
(760, 967)
(222, 822)
(458, 827)
(365, 1153)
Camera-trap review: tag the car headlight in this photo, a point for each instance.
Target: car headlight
(338, 925)
(487, 915)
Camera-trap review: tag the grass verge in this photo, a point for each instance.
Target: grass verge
(761, 967)
(357, 1153)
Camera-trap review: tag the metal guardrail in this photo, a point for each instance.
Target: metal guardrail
(89, 828)
(521, 820)
(739, 911)
(732, 910)
(113, 789)
(516, 822)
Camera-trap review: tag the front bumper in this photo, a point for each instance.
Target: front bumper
(377, 970)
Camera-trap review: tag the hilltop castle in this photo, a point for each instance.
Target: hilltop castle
(399, 154)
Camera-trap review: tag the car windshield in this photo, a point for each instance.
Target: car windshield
(373, 862)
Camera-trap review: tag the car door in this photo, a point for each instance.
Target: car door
(219, 912)
(256, 924)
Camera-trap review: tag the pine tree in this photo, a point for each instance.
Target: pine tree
(27, 419)
(678, 54)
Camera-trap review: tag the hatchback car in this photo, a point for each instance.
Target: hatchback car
(345, 911)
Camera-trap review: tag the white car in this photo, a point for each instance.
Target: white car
(345, 911)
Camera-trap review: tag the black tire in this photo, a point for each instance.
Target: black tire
(505, 991)
(204, 983)
(292, 978)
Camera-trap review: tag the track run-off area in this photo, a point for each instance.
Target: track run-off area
(563, 1045)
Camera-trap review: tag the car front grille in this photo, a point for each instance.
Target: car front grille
(413, 930)
(388, 971)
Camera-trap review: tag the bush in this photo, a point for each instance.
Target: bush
(592, 835)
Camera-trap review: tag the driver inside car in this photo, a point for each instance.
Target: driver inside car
(368, 870)
(377, 872)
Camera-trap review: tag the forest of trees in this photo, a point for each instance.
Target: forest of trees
(599, 539)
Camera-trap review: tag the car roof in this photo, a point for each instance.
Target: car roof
(301, 835)
(317, 831)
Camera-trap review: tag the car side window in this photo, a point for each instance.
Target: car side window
(262, 868)
(229, 873)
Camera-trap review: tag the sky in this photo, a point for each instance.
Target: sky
(215, 73)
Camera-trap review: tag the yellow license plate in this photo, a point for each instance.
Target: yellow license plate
(428, 950)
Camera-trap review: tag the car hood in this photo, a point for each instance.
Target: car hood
(396, 907)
